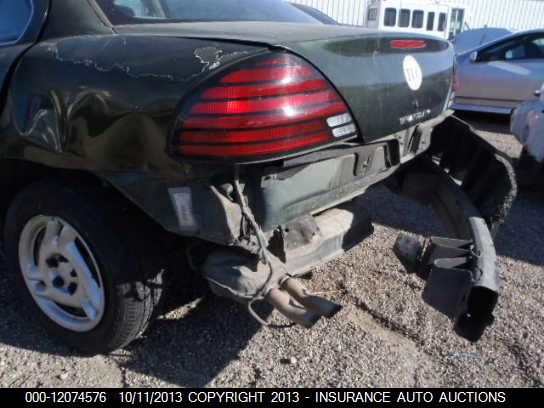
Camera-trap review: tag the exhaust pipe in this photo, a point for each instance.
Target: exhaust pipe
(291, 309)
(316, 304)
(237, 276)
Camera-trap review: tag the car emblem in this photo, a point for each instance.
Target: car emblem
(412, 72)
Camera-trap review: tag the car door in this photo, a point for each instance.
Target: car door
(20, 25)
(505, 73)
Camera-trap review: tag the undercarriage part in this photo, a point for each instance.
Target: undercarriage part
(316, 304)
(472, 194)
(248, 278)
(243, 278)
(288, 307)
(239, 275)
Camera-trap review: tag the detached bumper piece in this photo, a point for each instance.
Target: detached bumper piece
(461, 278)
(471, 187)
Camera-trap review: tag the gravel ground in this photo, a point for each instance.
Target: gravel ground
(384, 336)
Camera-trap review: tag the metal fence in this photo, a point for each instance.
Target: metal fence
(511, 14)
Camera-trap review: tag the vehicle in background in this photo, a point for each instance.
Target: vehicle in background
(499, 76)
(471, 39)
(316, 13)
(527, 124)
(419, 16)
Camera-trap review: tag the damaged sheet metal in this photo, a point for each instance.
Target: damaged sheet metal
(214, 57)
(92, 103)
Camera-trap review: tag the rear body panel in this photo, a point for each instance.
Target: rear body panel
(104, 109)
(313, 183)
(368, 73)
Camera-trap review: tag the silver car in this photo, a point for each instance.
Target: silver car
(498, 76)
(527, 125)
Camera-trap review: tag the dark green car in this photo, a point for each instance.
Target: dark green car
(142, 139)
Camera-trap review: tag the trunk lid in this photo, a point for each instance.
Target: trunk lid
(390, 81)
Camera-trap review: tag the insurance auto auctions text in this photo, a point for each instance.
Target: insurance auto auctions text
(347, 396)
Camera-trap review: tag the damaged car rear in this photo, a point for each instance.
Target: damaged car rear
(238, 134)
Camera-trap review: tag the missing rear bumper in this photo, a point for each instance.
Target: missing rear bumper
(471, 187)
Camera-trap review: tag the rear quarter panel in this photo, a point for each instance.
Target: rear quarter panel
(106, 103)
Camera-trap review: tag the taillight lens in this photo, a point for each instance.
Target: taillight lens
(408, 44)
(268, 107)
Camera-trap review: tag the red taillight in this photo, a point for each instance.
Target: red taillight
(408, 44)
(266, 108)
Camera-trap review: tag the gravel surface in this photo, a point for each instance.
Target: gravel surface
(384, 336)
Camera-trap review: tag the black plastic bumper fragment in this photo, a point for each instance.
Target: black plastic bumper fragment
(484, 174)
(471, 187)
(461, 277)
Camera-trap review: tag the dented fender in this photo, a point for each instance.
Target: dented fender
(78, 117)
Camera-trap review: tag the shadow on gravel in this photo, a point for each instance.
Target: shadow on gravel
(192, 350)
(522, 235)
(487, 122)
(16, 326)
(187, 351)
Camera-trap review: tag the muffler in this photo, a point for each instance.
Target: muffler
(288, 307)
(316, 304)
(235, 275)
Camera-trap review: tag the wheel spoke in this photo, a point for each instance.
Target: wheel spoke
(50, 239)
(89, 309)
(67, 235)
(57, 296)
(33, 273)
(51, 233)
(86, 278)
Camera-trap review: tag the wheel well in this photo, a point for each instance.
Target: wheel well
(16, 175)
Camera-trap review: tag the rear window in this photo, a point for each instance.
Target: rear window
(145, 11)
(404, 20)
(390, 19)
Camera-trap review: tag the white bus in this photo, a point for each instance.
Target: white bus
(422, 16)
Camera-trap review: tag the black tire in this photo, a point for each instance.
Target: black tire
(124, 245)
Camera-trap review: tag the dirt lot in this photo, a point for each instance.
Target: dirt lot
(384, 336)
